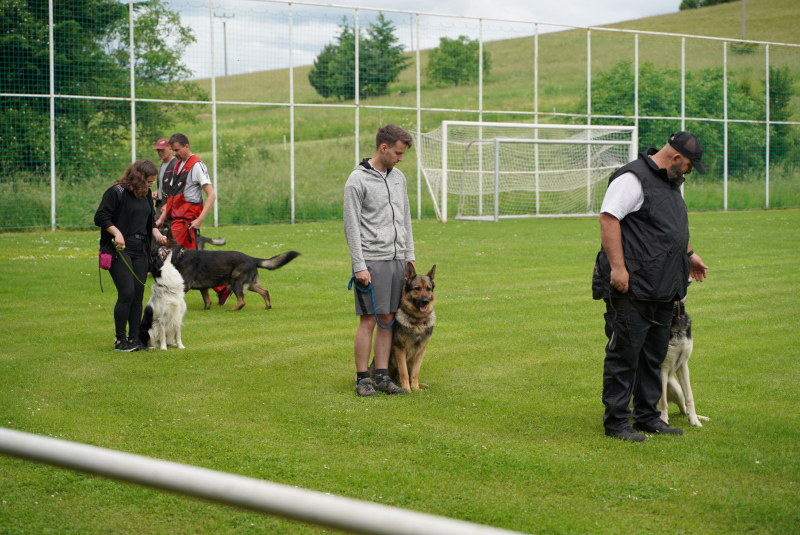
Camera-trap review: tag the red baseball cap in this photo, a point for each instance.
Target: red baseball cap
(162, 144)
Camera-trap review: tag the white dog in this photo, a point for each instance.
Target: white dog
(164, 312)
(675, 385)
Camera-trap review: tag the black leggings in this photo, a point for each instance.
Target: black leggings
(130, 292)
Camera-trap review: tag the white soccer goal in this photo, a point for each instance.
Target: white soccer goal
(502, 170)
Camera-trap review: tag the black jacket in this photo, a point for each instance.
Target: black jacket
(115, 209)
(654, 240)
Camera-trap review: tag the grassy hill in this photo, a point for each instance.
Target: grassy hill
(257, 136)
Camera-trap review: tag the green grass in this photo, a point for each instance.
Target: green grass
(509, 432)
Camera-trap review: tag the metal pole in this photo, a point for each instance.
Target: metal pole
(725, 124)
(419, 132)
(52, 122)
(588, 119)
(358, 89)
(742, 19)
(480, 117)
(291, 120)
(766, 109)
(496, 180)
(636, 87)
(536, 108)
(213, 115)
(133, 81)
(249, 493)
(444, 172)
(683, 90)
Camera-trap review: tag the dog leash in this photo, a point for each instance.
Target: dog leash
(372, 295)
(129, 268)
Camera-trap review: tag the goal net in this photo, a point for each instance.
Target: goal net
(500, 170)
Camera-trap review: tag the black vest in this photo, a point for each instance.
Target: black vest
(168, 188)
(654, 240)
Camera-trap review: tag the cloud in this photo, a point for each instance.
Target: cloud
(257, 34)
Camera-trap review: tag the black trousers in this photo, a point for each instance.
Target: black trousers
(634, 353)
(130, 292)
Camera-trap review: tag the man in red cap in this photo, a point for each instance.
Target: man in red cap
(168, 162)
(182, 199)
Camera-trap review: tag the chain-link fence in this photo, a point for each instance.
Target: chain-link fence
(280, 100)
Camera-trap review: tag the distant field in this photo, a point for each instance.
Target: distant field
(509, 432)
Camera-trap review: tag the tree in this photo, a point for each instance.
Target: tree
(613, 94)
(91, 59)
(380, 59)
(455, 62)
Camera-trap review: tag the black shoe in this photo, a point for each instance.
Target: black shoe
(388, 386)
(658, 426)
(124, 345)
(138, 344)
(626, 433)
(364, 388)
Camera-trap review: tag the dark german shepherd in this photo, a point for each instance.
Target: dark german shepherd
(202, 270)
(413, 327)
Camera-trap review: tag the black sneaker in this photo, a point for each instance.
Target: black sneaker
(626, 433)
(364, 388)
(138, 344)
(124, 345)
(388, 386)
(659, 426)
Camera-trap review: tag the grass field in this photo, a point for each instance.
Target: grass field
(509, 432)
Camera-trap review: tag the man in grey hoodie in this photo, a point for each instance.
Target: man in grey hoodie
(377, 225)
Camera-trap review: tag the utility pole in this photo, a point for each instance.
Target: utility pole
(224, 17)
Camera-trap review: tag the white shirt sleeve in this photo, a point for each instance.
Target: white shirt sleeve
(623, 196)
(199, 174)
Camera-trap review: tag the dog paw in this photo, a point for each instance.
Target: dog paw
(706, 418)
(181, 346)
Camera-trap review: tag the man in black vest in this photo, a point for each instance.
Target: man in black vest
(168, 162)
(643, 267)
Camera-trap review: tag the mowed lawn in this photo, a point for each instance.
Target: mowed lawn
(508, 433)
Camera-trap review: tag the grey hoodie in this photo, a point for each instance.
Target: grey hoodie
(377, 216)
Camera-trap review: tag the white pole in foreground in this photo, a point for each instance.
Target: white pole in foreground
(254, 494)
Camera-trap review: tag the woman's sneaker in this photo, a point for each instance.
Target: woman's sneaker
(135, 342)
(124, 345)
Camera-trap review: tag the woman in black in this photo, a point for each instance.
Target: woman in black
(126, 218)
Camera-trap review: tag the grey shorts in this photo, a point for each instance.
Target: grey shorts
(387, 277)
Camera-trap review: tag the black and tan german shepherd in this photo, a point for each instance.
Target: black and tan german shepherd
(202, 270)
(413, 327)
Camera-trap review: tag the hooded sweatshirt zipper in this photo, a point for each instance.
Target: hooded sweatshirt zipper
(389, 193)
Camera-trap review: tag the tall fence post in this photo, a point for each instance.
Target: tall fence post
(358, 88)
(213, 114)
(536, 109)
(766, 109)
(725, 125)
(419, 132)
(588, 119)
(52, 122)
(480, 116)
(133, 81)
(683, 91)
(636, 87)
(291, 120)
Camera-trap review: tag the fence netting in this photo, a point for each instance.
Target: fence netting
(281, 101)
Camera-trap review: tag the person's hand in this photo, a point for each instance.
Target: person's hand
(619, 279)
(697, 269)
(119, 241)
(363, 278)
(155, 195)
(196, 224)
(161, 240)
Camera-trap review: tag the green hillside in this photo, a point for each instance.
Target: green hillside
(252, 137)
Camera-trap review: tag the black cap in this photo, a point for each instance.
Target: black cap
(688, 145)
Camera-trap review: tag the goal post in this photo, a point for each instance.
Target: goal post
(503, 170)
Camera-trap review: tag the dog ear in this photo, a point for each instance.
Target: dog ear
(432, 272)
(410, 271)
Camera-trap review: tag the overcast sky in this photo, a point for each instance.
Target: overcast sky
(258, 34)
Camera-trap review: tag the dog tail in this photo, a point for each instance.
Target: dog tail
(278, 261)
(144, 327)
(202, 241)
